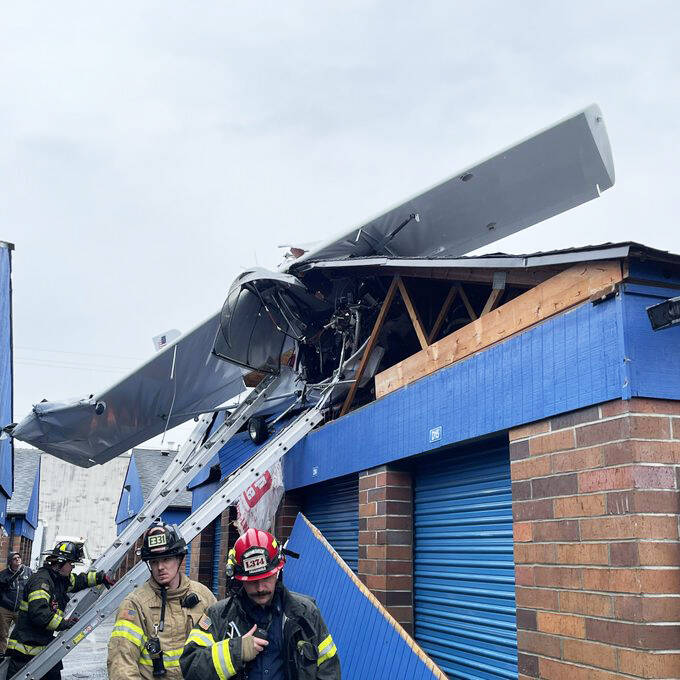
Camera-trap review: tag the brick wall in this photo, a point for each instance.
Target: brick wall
(285, 515)
(202, 553)
(595, 505)
(229, 536)
(386, 539)
(10, 544)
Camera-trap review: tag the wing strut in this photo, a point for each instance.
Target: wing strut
(195, 452)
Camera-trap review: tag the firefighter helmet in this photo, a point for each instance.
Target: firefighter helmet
(162, 540)
(257, 554)
(66, 551)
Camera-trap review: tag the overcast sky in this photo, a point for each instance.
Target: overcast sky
(150, 150)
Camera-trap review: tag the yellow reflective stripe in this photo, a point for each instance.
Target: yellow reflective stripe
(326, 649)
(133, 627)
(128, 636)
(24, 649)
(170, 659)
(221, 659)
(72, 580)
(200, 638)
(129, 631)
(54, 622)
(146, 661)
(23, 606)
(38, 595)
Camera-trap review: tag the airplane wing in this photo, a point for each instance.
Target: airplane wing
(95, 429)
(550, 172)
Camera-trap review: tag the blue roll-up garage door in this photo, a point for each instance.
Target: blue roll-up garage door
(217, 562)
(464, 579)
(333, 507)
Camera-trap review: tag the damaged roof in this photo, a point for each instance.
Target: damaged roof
(566, 256)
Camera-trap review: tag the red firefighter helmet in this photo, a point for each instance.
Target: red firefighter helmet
(257, 554)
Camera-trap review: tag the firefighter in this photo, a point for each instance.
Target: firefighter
(263, 631)
(154, 621)
(41, 610)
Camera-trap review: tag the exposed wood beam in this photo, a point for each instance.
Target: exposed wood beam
(565, 290)
(517, 278)
(451, 296)
(492, 301)
(413, 313)
(466, 301)
(372, 339)
(498, 287)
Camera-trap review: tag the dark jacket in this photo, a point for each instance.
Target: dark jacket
(12, 586)
(41, 610)
(213, 648)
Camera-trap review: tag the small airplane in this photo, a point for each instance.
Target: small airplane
(314, 317)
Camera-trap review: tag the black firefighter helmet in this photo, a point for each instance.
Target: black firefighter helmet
(66, 551)
(162, 540)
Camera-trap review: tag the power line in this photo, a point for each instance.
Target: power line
(74, 367)
(90, 354)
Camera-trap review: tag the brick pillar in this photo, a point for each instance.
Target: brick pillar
(595, 502)
(202, 549)
(285, 515)
(386, 539)
(229, 536)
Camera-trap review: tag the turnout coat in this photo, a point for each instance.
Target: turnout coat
(136, 622)
(41, 610)
(213, 649)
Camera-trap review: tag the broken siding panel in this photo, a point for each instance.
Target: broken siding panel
(568, 362)
(371, 644)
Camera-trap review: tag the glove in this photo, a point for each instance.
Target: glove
(68, 623)
(103, 577)
(107, 580)
(251, 646)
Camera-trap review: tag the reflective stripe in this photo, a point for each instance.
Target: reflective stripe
(129, 631)
(200, 638)
(38, 595)
(72, 580)
(23, 606)
(221, 659)
(55, 621)
(91, 578)
(327, 650)
(24, 649)
(170, 659)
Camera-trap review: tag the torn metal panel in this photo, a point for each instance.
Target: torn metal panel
(370, 642)
(550, 172)
(177, 383)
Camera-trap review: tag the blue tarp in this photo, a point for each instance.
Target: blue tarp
(371, 644)
(6, 381)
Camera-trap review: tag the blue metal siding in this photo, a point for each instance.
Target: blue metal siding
(333, 508)
(6, 378)
(200, 494)
(217, 563)
(464, 578)
(370, 645)
(187, 561)
(568, 362)
(131, 501)
(652, 359)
